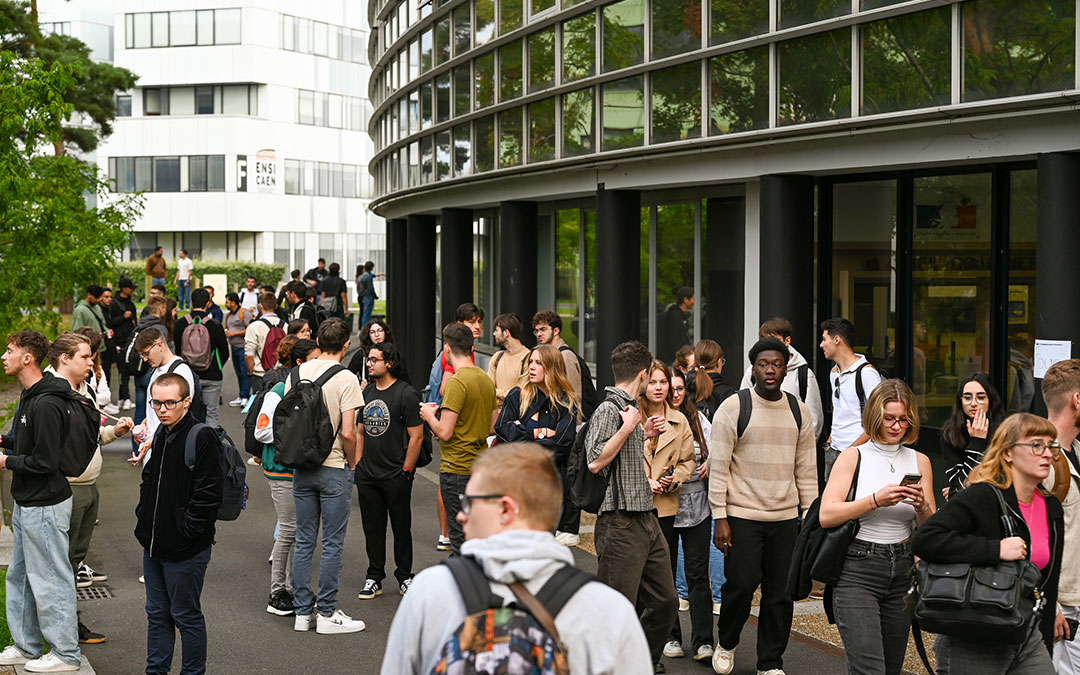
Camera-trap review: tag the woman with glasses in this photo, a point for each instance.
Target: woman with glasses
(707, 383)
(893, 496)
(976, 414)
(373, 332)
(969, 529)
(300, 328)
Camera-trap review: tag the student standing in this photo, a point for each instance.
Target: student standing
(122, 322)
(88, 312)
(505, 368)
(976, 415)
(235, 329)
(365, 289)
(249, 298)
(256, 339)
(156, 267)
(707, 385)
(334, 294)
(852, 379)
(185, 270)
(210, 377)
(547, 327)
(155, 351)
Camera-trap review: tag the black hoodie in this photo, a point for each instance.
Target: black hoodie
(41, 429)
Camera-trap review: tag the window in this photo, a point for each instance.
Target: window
(155, 102)
(182, 29)
(334, 118)
(215, 173)
(737, 19)
(511, 13)
(906, 62)
(123, 105)
(335, 180)
(348, 181)
(166, 174)
(227, 26)
(462, 90)
(442, 155)
(324, 179)
(675, 226)
(510, 137)
(288, 32)
(578, 121)
(426, 168)
(541, 5)
(182, 101)
(676, 103)
(624, 34)
(1020, 383)
(568, 273)
(484, 80)
(442, 98)
(623, 114)
(292, 176)
(799, 12)
(510, 71)
(281, 249)
(442, 40)
(144, 174)
(307, 106)
(122, 174)
(140, 26)
(579, 47)
(676, 27)
(234, 101)
(739, 91)
(485, 21)
(542, 60)
(320, 39)
(427, 112)
(204, 100)
(309, 178)
(815, 77)
(484, 147)
(542, 130)
(462, 150)
(197, 173)
(426, 50)
(462, 29)
(159, 30)
(204, 21)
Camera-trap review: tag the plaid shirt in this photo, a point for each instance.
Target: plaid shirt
(633, 484)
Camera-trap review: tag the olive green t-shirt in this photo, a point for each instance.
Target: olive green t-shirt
(471, 394)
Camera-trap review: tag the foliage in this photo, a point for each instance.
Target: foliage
(676, 103)
(815, 77)
(510, 137)
(236, 271)
(510, 71)
(676, 27)
(624, 31)
(739, 83)
(906, 61)
(542, 130)
(542, 60)
(484, 79)
(579, 47)
(578, 122)
(737, 19)
(799, 12)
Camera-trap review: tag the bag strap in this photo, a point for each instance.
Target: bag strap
(793, 403)
(855, 477)
(189, 444)
(473, 584)
(1006, 518)
(916, 636)
(330, 372)
(539, 612)
(860, 390)
(561, 587)
(746, 409)
(804, 379)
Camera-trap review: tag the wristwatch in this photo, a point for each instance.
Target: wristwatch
(540, 435)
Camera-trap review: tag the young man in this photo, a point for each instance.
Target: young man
(89, 313)
(156, 291)
(468, 413)
(255, 339)
(214, 311)
(314, 276)
(108, 342)
(40, 582)
(632, 554)
(334, 295)
(505, 367)
(122, 322)
(1061, 391)
(547, 327)
(154, 319)
(365, 288)
(210, 377)
(388, 441)
(758, 481)
(798, 371)
(512, 504)
(156, 267)
(249, 297)
(235, 328)
(299, 307)
(175, 526)
(676, 324)
(837, 343)
(185, 270)
(322, 494)
(154, 350)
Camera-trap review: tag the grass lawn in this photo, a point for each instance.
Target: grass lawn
(5, 634)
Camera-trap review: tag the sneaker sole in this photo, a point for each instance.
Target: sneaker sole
(703, 657)
(444, 547)
(83, 584)
(369, 596)
(280, 612)
(673, 655)
(339, 630)
(93, 641)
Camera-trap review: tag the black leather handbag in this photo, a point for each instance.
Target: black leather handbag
(992, 604)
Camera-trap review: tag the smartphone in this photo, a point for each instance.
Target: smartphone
(670, 471)
(911, 479)
(1073, 625)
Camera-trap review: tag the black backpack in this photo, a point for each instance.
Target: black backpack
(132, 362)
(587, 489)
(235, 491)
(303, 433)
(198, 406)
(252, 446)
(590, 399)
(83, 434)
(746, 408)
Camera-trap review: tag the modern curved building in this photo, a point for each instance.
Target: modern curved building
(902, 164)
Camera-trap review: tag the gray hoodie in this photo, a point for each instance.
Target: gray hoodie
(598, 625)
(791, 385)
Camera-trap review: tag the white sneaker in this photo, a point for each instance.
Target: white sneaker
(567, 538)
(112, 409)
(338, 622)
(684, 605)
(237, 402)
(127, 404)
(142, 579)
(673, 650)
(716, 609)
(443, 544)
(302, 623)
(95, 576)
(11, 656)
(771, 671)
(703, 653)
(49, 663)
(723, 660)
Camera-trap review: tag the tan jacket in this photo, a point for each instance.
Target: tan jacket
(673, 448)
(155, 266)
(1069, 581)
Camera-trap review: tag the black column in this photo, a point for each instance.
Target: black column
(517, 261)
(787, 255)
(455, 261)
(724, 280)
(420, 340)
(397, 275)
(618, 275)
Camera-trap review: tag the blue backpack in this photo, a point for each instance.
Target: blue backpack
(431, 393)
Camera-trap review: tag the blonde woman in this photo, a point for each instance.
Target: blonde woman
(969, 529)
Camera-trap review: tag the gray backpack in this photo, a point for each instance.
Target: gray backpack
(198, 349)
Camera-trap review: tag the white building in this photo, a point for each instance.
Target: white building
(247, 129)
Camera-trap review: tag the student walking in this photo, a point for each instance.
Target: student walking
(365, 290)
(800, 378)
(334, 294)
(156, 267)
(262, 337)
(372, 333)
(976, 415)
(88, 312)
(707, 385)
(202, 342)
(852, 379)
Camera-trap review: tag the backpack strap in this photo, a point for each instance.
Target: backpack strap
(561, 587)
(793, 403)
(804, 378)
(330, 372)
(860, 390)
(746, 408)
(176, 364)
(473, 584)
(189, 444)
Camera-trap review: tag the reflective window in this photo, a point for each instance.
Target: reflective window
(140, 26)
(485, 21)
(541, 5)
(426, 110)
(579, 114)
(484, 80)
(123, 105)
(676, 27)
(542, 60)
(624, 34)
(510, 71)
(623, 114)
(568, 272)
(675, 227)
(815, 77)
(510, 137)
(144, 174)
(579, 47)
(739, 91)
(676, 103)
(292, 176)
(227, 26)
(542, 130)
(204, 100)
(426, 50)
(442, 40)
(462, 29)
(1016, 47)
(182, 101)
(510, 15)
(484, 148)
(1020, 310)
(166, 174)
(159, 36)
(799, 12)
(414, 167)
(737, 19)
(906, 62)
(874, 4)
(462, 90)
(426, 166)
(462, 150)
(442, 98)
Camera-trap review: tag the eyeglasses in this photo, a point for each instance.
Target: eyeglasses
(968, 398)
(466, 500)
(372, 359)
(893, 421)
(541, 329)
(1039, 448)
(167, 405)
(146, 353)
(678, 390)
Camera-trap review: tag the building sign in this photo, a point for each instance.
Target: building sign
(241, 173)
(266, 171)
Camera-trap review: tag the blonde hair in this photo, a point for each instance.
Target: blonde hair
(891, 391)
(66, 344)
(526, 472)
(1061, 381)
(994, 468)
(557, 386)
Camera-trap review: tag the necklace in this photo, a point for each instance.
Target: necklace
(888, 458)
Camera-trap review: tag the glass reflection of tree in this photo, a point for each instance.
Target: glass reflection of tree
(624, 114)
(740, 91)
(510, 71)
(737, 19)
(542, 130)
(578, 115)
(567, 269)
(815, 77)
(484, 79)
(906, 62)
(624, 30)
(542, 60)
(510, 137)
(579, 47)
(676, 110)
(799, 12)
(676, 27)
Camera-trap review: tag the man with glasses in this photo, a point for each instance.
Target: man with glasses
(851, 380)
(175, 526)
(547, 327)
(155, 351)
(388, 441)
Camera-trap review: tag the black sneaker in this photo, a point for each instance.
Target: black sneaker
(89, 637)
(404, 587)
(371, 590)
(281, 603)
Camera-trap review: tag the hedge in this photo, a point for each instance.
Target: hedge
(236, 271)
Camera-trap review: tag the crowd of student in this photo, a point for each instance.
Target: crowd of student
(703, 487)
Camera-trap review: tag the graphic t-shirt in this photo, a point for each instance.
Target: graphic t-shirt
(471, 394)
(387, 415)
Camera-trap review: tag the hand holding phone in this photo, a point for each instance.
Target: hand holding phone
(911, 479)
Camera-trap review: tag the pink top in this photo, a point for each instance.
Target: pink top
(1035, 517)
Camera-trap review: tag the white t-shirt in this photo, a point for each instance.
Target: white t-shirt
(249, 299)
(847, 413)
(152, 421)
(185, 268)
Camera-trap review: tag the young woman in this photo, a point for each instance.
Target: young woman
(975, 416)
(373, 332)
(691, 534)
(170, 321)
(708, 384)
(893, 496)
(299, 328)
(970, 530)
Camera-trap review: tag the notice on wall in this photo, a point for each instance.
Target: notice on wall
(1049, 352)
(265, 171)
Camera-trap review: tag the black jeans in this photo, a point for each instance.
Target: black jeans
(380, 499)
(570, 520)
(452, 485)
(760, 554)
(696, 541)
(108, 358)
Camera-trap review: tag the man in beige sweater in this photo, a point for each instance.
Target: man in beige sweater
(762, 468)
(505, 367)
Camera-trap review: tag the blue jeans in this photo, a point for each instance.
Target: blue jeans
(240, 366)
(211, 396)
(366, 304)
(142, 383)
(41, 584)
(183, 293)
(716, 572)
(320, 494)
(173, 590)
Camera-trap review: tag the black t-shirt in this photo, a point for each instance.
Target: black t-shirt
(333, 287)
(387, 414)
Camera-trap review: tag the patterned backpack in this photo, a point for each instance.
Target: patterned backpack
(518, 639)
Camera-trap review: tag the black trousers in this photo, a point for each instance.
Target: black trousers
(760, 554)
(378, 500)
(108, 358)
(570, 520)
(696, 542)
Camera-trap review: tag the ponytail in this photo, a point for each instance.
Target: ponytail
(703, 385)
(707, 356)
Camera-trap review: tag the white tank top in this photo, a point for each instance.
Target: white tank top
(884, 465)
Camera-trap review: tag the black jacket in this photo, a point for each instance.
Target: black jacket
(959, 462)
(306, 311)
(968, 529)
(720, 391)
(122, 327)
(177, 506)
(511, 425)
(40, 430)
(218, 341)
